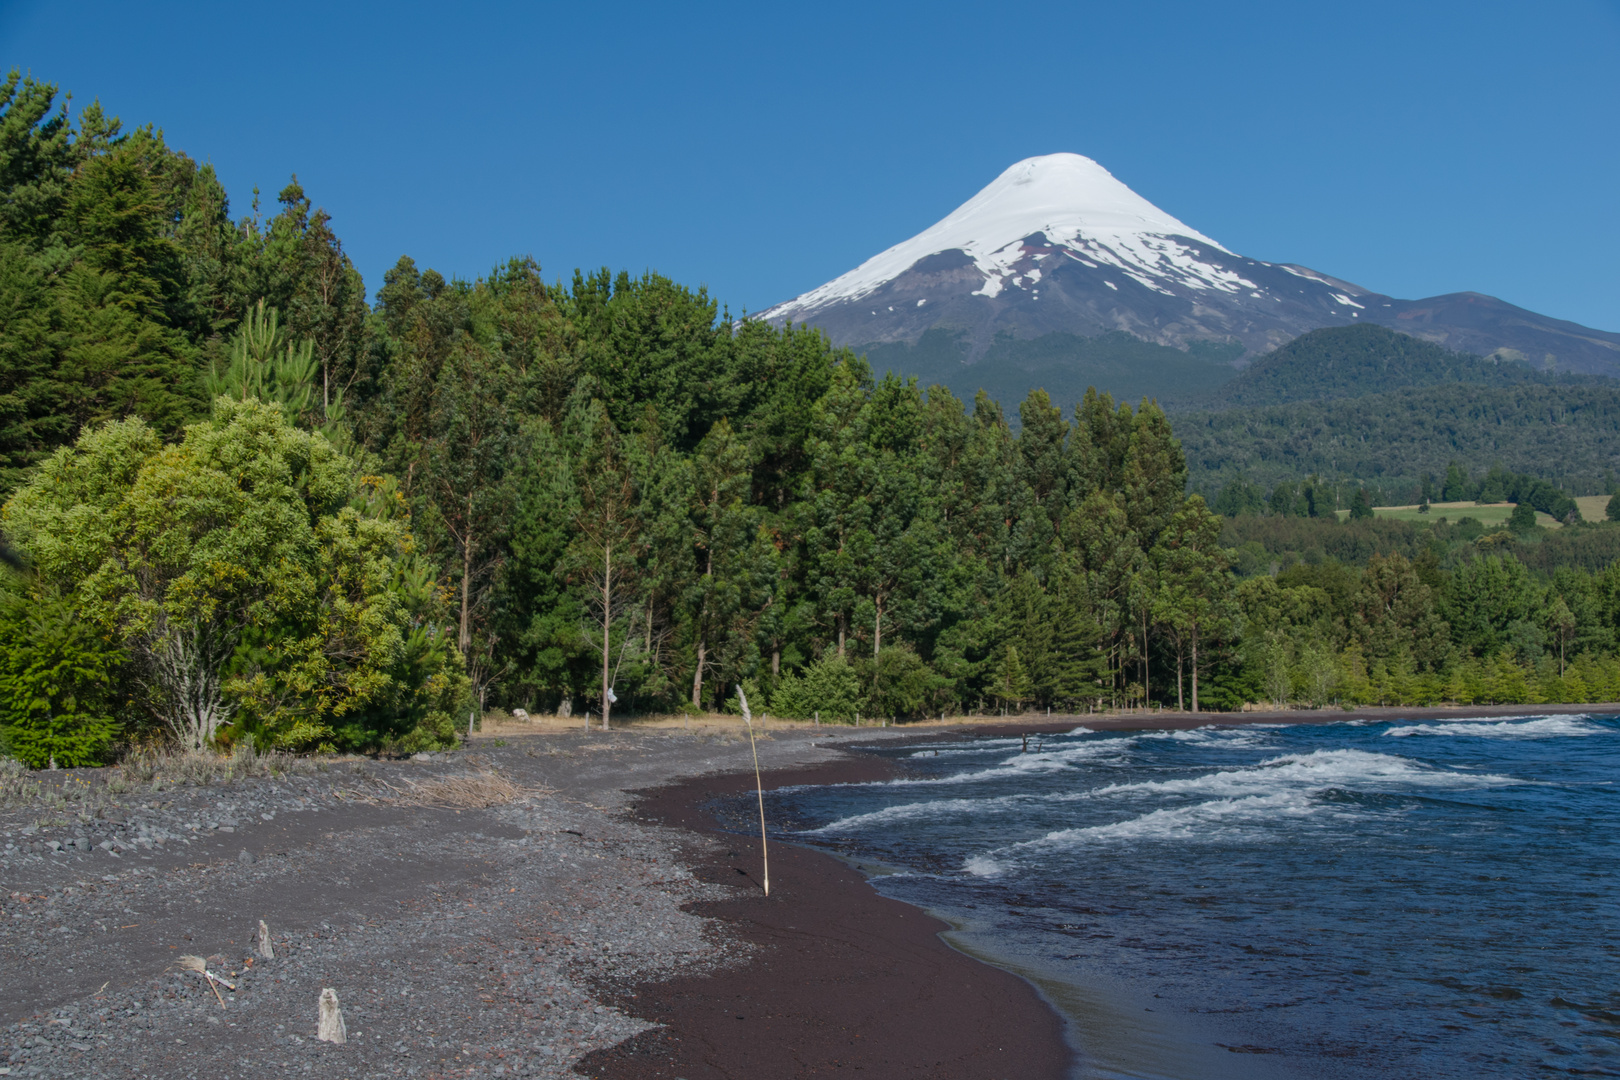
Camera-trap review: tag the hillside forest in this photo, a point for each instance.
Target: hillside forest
(248, 502)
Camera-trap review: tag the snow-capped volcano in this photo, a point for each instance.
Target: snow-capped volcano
(1072, 204)
(1057, 244)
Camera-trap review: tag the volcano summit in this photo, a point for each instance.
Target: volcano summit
(1057, 245)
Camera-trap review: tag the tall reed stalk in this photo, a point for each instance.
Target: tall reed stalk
(759, 788)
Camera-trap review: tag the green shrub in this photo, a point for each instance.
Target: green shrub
(56, 682)
(830, 687)
(256, 588)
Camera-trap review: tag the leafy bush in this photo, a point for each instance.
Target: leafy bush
(830, 687)
(56, 684)
(254, 587)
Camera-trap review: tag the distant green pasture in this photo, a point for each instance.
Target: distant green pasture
(1593, 507)
(1491, 515)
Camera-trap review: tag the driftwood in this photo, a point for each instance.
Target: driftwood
(200, 966)
(331, 1027)
(266, 950)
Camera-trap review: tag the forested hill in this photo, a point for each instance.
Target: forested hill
(1567, 434)
(257, 507)
(1354, 361)
(1064, 365)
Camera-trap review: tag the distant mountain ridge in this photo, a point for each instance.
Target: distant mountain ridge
(1354, 361)
(1057, 246)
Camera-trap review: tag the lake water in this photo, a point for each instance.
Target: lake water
(1411, 899)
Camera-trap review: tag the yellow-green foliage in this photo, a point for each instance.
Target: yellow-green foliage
(241, 550)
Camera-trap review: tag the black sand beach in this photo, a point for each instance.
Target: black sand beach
(599, 923)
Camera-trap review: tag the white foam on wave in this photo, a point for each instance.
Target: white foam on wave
(982, 866)
(1251, 817)
(958, 749)
(1212, 820)
(1225, 737)
(891, 815)
(1020, 764)
(1248, 804)
(1542, 727)
(1354, 769)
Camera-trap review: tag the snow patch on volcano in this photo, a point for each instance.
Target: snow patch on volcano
(1058, 202)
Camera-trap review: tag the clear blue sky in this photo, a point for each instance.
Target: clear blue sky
(1414, 148)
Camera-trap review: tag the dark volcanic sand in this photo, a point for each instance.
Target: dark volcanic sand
(844, 979)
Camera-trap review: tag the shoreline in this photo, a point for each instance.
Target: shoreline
(842, 977)
(1117, 720)
(544, 932)
(794, 1029)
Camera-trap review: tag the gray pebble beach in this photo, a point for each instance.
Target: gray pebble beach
(467, 942)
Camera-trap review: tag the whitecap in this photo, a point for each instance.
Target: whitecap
(890, 815)
(982, 866)
(1355, 769)
(1545, 727)
(1215, 819)
(1210, 735)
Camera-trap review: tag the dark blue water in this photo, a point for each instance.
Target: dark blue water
(1344, 900)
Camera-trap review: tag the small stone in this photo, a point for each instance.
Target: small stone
(247, 858)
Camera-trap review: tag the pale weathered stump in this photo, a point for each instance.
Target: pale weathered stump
(331, 1027)
(266, 950)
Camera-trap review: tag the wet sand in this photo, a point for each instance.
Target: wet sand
(844, 978)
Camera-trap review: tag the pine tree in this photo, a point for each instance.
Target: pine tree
(1154, 478)
(1012, 681)
(1360, 507)
(1077, 664)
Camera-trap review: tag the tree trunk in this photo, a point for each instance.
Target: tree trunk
(1180, 703)
(697, 676)
(607, 626)
(464, 637)
(877, 629)
(1146, 685)
(776, 659)
(840, 635)
(1195, 668)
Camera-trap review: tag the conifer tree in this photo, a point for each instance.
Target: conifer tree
(1012, 681)
(1077, 664)
(1154, 474)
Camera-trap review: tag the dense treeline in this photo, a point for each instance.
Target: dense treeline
(1316, 498)
(1565, 434)
(1064, 365)
(1352, 361)
(258, 507)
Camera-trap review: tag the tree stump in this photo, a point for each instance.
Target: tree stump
(266, 950)
(331, 1027)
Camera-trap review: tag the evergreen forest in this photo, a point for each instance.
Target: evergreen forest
(247, 499)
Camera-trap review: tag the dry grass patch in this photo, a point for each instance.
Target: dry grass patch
(160, 766)
(468, 791)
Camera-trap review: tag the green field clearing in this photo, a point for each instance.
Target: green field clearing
(1593, 507)
(1491, 515)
